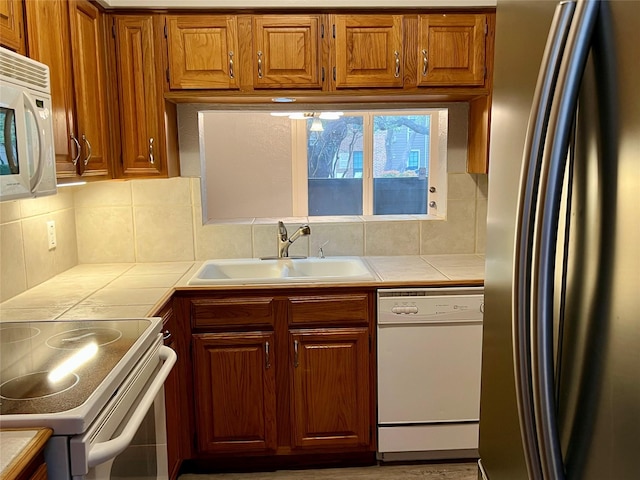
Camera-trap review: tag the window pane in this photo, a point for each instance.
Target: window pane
(400, 164)
(335, 159)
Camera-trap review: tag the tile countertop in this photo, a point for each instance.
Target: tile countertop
(126, 290)
(18, 447)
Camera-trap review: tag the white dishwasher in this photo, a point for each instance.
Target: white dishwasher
(429, 359)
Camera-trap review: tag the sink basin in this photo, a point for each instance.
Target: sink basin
(283, 270)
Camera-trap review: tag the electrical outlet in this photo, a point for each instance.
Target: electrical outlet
(51, 234)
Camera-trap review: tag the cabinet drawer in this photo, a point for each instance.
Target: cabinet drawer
(232, 311)
(342, 309)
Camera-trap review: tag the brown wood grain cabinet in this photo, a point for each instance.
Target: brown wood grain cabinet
(203, 51)
(452, 49)
(368, 50)
(12, 25)
(235, 392)
(281, 373)
(75, 53)
(287, 51)
(146, 120)
(330, 387)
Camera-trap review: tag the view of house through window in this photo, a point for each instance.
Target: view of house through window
(309, 163)
(369, 163)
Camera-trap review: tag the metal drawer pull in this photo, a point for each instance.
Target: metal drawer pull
(259, 64)
(397, 55)
(425, 63)
(78, 148)
(167, 335)
(151, 158)
(84, 139)
(295, 354)
(231, 64)
(267, 354)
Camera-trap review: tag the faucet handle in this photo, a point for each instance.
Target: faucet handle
(282, 231)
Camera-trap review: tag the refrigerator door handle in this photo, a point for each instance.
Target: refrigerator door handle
(560, 126)
(528, 192)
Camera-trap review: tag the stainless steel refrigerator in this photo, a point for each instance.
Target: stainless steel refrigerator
(561, 350)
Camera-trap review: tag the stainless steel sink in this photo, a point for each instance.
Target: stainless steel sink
(283, 270)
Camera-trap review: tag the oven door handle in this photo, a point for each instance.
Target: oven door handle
(104, 451)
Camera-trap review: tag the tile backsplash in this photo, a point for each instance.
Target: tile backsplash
(25, 258)
(160, 220)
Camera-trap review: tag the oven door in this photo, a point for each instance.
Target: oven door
(128, 439)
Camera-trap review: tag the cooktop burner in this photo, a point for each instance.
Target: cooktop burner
(55, 366)
(17, 334)
(77, 338)
(36, 385)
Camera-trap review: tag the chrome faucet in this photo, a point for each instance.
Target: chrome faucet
(284, 241)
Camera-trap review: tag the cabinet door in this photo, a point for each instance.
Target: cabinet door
(52, 47)
(368, 51)
(286, 51)
(11, 25)
(235, 399)
(452, 50)
(89, 80)
(141, 116)
(330, 387)
(202, 51)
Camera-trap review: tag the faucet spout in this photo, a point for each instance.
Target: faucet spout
(284, 241)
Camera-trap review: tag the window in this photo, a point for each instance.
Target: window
(262, 164)
(414, 160)
(367, 163)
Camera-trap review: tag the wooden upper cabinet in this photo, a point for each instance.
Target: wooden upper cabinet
(75, 53)
(138, 68)
(90, 86)
(452, 49)
(235, 392)
(54, 50)
(12, 25)
(330, 394)
(368, 51)
(203, 51)
(287, 51)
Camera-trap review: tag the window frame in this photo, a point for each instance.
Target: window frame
(300, 161)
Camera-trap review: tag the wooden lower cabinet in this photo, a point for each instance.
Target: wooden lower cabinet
(279, 375)
(330, 387)
(235, 392)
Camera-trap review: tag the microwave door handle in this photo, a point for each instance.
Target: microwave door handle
(37, 177)
(104, 451)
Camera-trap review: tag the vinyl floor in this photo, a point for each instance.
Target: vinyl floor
(432, 471)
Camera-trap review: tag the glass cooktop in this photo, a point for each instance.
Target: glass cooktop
(55, 366)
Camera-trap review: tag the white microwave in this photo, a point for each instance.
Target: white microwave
(27, 157)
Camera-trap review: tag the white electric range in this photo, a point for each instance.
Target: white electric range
(94, 382)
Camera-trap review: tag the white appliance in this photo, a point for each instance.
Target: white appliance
(27, 157)
(429, 354)
(99, 385)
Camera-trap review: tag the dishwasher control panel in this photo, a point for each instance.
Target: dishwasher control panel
(430, 305)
